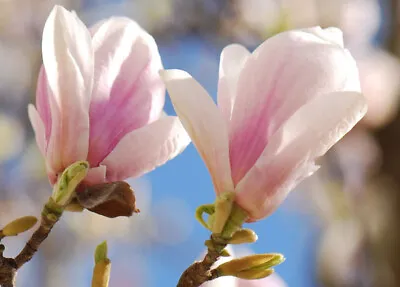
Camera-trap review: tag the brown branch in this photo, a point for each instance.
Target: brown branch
(8, 266)
(50, 215)
(200, 271)
(8, 270)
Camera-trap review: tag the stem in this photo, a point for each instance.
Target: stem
(8, 270)
(51, 213)
(200, 271)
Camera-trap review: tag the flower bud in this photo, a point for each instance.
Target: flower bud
(18, 226)
(102, 269)
(64, 189)
(254, 274)
(257, 262)
(243, 236)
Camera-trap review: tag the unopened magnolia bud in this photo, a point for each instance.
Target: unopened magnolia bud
(19, 225)
(100, 253)
(64, 189)
(243, 236)
(223, 209)
(101, 274)
(254, 274)
(102, 269)
(251, 262)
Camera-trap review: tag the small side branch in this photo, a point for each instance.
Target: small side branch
(200, 271)
(50, 215)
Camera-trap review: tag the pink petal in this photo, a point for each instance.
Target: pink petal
(128, 91)
(232, 60)
(38, 128)
(96, 175)
(204, 123)
(146, 148)
(68, 62)
(42, 102)
(284, 73)
(291, 153)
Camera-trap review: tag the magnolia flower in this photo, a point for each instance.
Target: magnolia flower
(99, 98)
(279, 109)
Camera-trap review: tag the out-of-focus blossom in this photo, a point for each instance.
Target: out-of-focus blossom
(99, 98)
(267, 16)
(280, 108)
(144, 12)
(15, 73)
(354, 12)
(355, 166)
(339, 252)
(379, 74)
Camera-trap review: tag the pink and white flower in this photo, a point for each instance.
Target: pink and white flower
(100, 98)
(279, 109)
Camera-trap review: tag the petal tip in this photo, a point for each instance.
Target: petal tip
(173, 74)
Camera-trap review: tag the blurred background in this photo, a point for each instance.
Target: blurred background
(340, 228)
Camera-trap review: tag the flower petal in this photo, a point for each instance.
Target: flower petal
(68, 62)
(204, 123)
(42, 102)
(232, 60)
(96, 175)
(38, 127)
(146, 148)
(283, 74)
(128, 91)
(291, 153)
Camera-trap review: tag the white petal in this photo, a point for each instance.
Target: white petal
(291, 153)
(38, 127)
(231, 63)
(204, 123)
(332, 35)
(96, 175)
(68, 62)
(146, 148)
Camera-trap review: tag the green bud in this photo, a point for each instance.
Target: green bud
(223, 209)
(101, 252)
(102, 268)
(251, 262)
(101, 274)
(18, 226)
(278, 259)
(64, 189)
(243, 236)
(254, 274)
